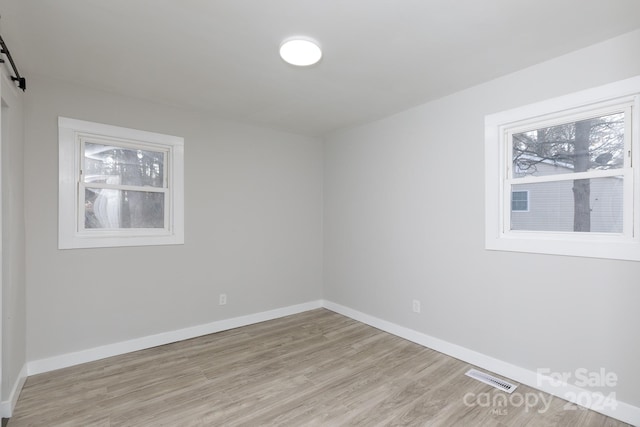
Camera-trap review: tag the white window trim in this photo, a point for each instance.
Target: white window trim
(625, 246)
(70, 230)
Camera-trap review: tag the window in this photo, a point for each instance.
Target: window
(520, 201)
(118, 186)
(562, 175)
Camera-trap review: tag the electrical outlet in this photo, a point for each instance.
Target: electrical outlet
(223, 299)
(416, 306)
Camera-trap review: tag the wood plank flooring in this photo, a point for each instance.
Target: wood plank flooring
(316, 368)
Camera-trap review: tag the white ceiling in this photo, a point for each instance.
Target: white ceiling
(221, 56)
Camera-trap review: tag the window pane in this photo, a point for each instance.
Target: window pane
(519, 200)
(108, 164)
(585, 205)
(592, 144)
(107, 208)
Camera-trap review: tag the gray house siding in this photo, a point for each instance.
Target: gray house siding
(551, 204)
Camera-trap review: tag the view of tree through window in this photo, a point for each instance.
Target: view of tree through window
(114, 177)
(594, 144)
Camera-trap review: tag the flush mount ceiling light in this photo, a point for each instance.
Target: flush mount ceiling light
(300, 51)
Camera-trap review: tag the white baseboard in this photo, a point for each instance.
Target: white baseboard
(102, 352)
(6, 406)
(620, 410)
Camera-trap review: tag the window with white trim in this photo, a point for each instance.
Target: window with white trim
(119, 186)
(562, 175)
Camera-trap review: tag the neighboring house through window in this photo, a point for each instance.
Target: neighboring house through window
(119, 186)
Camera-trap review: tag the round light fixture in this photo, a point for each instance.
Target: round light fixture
(300, 51)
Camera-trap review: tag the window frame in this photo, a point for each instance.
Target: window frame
(498, 163)
(72, 136)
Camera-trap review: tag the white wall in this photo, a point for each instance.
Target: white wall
(253, 228)
(404, 219)
(13, 245)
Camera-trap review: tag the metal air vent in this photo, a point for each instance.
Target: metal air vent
(491, 380)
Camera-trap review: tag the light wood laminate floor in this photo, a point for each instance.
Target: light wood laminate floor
(314, 368)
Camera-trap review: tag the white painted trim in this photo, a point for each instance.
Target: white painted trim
(9, 93)
(102, 352)
(623, 411)
(2, 410)
(7, 406)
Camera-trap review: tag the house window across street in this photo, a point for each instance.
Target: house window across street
(519, 201)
